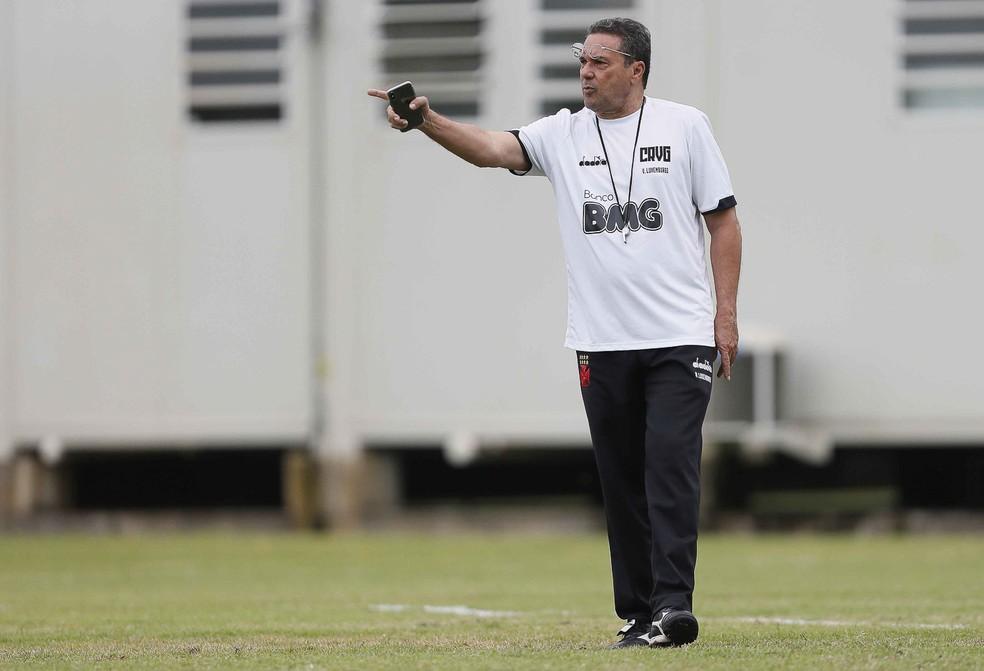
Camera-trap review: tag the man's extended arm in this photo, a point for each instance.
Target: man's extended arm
(486, 149)
(726, 266)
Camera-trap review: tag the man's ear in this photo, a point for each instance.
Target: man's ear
(638, 68)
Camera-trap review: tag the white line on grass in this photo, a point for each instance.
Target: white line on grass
(796, 621)
(388, 607)
(466, 611)
(462, 611)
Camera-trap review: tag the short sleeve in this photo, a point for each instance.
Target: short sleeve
(711, 184)
(540, 141)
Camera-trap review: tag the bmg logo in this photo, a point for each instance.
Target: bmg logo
(599, 219)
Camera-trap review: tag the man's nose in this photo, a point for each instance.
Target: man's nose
(586, 72)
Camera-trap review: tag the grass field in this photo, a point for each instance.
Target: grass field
(383, 602)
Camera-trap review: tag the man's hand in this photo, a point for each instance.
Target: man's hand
(726, 341)
(395, 120)
(486, 149)
(726, 263)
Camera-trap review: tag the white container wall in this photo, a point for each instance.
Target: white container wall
(159, 279)
(163, 279)
(6, 255)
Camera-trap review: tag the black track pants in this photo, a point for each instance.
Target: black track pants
(645, 409)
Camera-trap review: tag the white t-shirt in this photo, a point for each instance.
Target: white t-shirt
(651, 288)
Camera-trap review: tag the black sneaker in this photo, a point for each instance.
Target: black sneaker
(674, 627)
(636, 632)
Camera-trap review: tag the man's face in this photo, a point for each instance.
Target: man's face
(606, 80)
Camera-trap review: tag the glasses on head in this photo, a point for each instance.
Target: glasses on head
(593, 51)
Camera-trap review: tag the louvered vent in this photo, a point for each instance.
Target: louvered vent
(943, 54)
(438, 45)
(564, 22)
(235, 51)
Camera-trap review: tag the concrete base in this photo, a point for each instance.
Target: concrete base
(323, 493)
(27, 486)
(356, 489)
(382, 495)
(300, 488)
(6, 493)
(341, 488)
(333, 493)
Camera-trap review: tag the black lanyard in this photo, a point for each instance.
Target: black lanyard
(628, 198)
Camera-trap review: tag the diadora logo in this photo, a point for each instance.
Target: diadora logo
(598, 218)
(586, 162)
(647, 154)
(702, 369)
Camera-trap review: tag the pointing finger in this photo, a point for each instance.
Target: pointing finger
(376, 93)
(725, 368)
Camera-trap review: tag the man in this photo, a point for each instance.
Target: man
(632, 176)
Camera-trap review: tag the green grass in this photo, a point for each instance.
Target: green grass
(304, 601)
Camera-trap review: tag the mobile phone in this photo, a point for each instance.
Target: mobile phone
(400, 97)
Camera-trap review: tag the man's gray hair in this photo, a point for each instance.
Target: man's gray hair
(635, 39)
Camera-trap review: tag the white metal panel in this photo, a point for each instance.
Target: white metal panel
(161, 279)
(944, 8)
(161, 269)
(512, 67)
(464, 308)
(860, 229)
(96, 89)
(684, 52)
(348, 201)
(857, 238)
(6, 194)
(460, 286)
(240, 300)
(241, 359)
